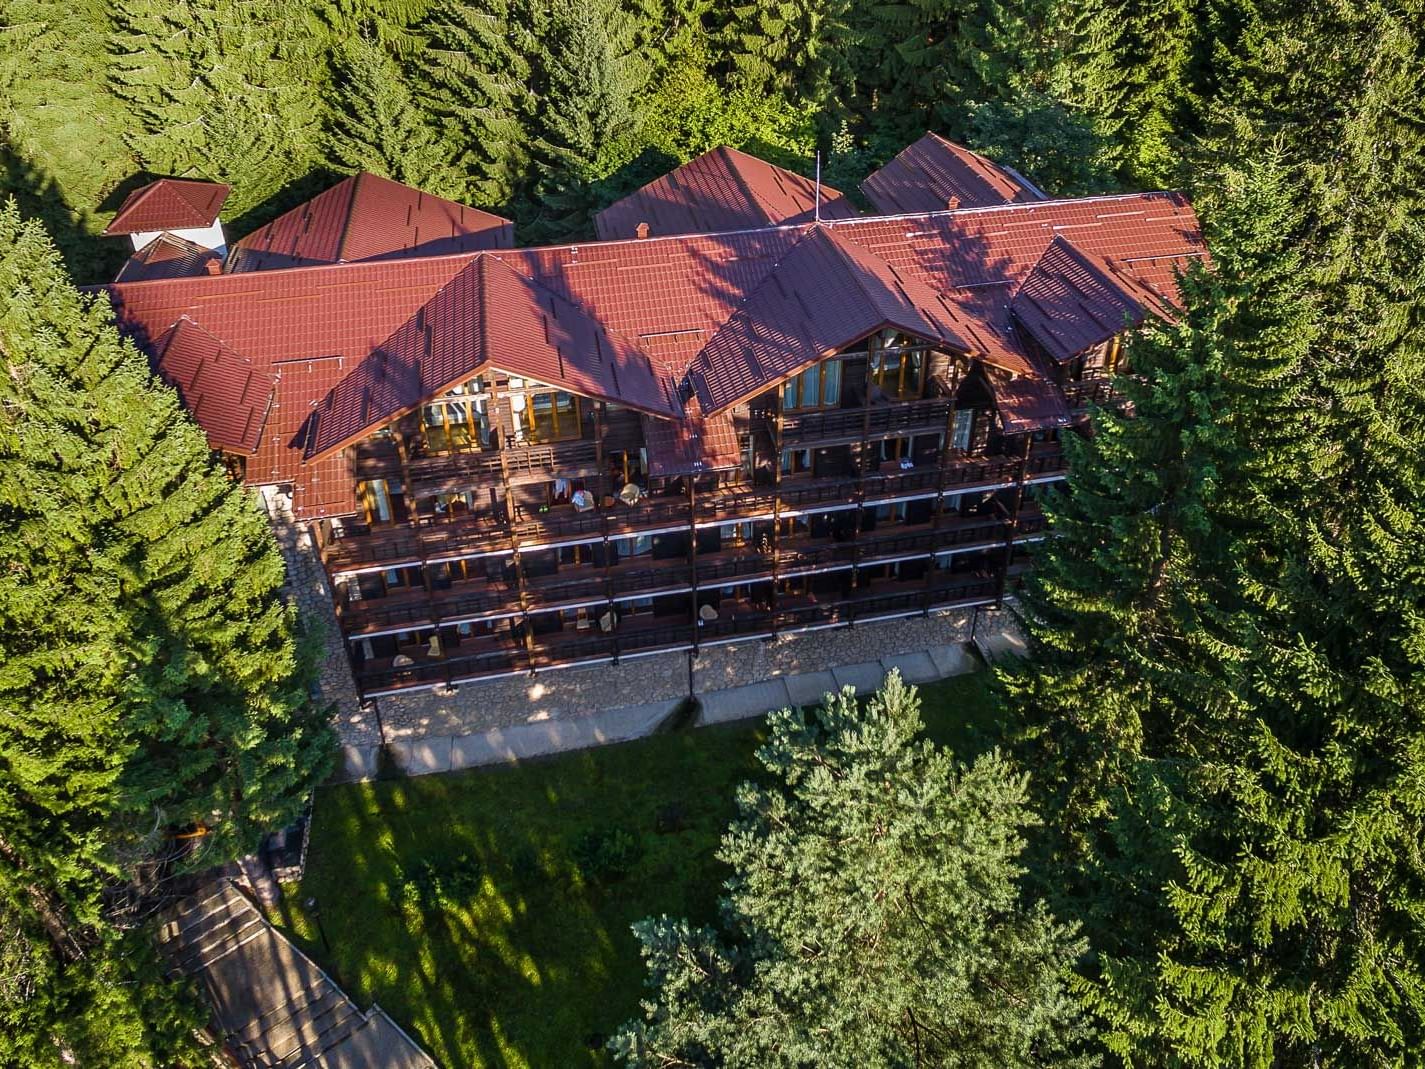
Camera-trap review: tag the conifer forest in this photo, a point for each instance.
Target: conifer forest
(1198, 839)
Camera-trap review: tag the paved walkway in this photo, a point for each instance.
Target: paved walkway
(549, 735)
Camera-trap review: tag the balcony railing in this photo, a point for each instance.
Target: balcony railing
(881, 420)
(484, 657)
(557, 458)
(1079, 395)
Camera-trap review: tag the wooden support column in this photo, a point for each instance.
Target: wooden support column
(514, 534)
(1012, 527)
(693, 556)
(864, 460)
(606, 545)
(776, 500)
(945, 447)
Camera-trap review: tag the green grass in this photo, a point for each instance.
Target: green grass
(539, 966)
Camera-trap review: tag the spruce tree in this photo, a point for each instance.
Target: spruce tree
(222, 90)
(377, 126)
(793, 50)
(151, 679)
(873, 916)
(587, 119)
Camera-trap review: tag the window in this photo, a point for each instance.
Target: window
(892, 449)
(459, 420)
(819, 386)
(964, 424)
(376, 496)
(547, 416)
(796, 461)
(898, 373)
(636, 546)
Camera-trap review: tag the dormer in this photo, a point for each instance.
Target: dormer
(178, 207)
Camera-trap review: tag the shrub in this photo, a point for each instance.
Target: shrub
(607, 854)
(429, 885)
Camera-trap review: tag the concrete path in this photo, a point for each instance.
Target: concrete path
(549, 735)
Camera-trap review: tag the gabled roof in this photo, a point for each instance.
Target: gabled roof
(1072, 300)
(168, 204)
(720, 190)
(487, 316)
(825, 294)
(366, 217)
(311, 328)
(169, 256)
(927, 175)
(226, 392)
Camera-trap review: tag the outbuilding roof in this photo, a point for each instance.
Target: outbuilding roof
(367, 217)
(168, 204)
(720, 190)
(934, 174)
(169, 256)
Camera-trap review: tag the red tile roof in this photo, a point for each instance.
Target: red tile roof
(1072, 300)
(488, 315)
(720, 190)
(366, 217)
(321, 488)
(691, 445)
(926, 176)
(1027, 404)
(824, 295)
(666, 298)
(168, 204)
(226, 392)
(169, 256)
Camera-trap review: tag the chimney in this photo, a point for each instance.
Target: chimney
(952, 203)
(640, 231)
(214, 265)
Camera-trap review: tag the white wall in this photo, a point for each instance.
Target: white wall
(210, 237)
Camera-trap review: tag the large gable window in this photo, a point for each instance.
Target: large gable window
(819, 386)
(544, 415)
(898, 372)
(458, 420)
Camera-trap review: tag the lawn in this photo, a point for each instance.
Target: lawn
(530, 961)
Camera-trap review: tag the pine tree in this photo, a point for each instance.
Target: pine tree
(378, 127)
(873, 916)
(150, 677)
(1237, 732)
(794, 50)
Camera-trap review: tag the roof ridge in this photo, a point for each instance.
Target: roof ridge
(355, 181)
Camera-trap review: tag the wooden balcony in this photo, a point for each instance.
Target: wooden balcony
(391, 545)
(473, 658)
(413, 609)
(580, 584)
(880, 421)
(569, 460)
(1080, 395)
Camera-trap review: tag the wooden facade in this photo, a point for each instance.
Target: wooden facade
(518, 543)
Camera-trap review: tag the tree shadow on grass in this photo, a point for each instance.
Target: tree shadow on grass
(538, 966)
